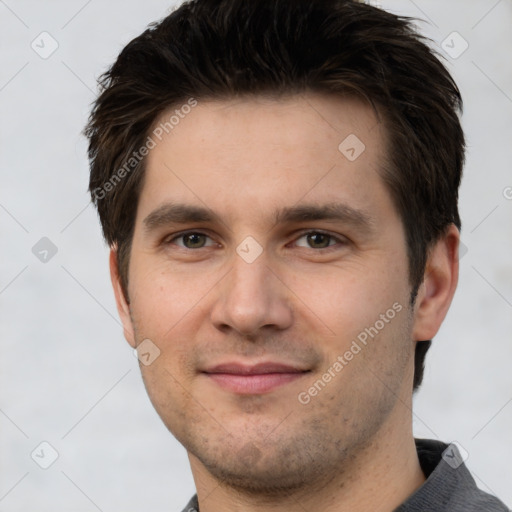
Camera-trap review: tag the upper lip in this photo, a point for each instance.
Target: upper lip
(234, 368)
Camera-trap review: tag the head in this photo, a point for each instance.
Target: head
(256, 119)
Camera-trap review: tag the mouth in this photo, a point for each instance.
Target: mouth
(253, 379)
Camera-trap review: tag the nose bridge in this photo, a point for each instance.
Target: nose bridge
(248, 284)
(251, 297)
(249, 280)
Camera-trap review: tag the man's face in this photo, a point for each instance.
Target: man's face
(262, 251)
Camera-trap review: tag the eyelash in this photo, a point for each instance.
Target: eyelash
(337, 239)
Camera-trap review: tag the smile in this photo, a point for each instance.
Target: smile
(253, 380)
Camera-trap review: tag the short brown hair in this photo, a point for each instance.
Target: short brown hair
(215, 49)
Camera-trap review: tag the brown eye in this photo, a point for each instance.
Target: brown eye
(194, 240)
(318, 240)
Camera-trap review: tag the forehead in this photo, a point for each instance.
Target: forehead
(263, 152)
(306, 118)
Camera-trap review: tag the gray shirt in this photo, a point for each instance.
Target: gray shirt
(449, 486)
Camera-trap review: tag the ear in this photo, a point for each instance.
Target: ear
(122, 305)
(440, 281)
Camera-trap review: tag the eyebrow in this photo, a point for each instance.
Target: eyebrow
(331, 212)
(178, 213)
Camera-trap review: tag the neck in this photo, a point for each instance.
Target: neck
(379, 478)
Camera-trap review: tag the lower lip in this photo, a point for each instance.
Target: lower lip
(253, 384)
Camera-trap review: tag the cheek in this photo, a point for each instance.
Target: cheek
(349, 298)
(161, 298)
(167, 389)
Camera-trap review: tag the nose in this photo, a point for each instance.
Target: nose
(250, 297)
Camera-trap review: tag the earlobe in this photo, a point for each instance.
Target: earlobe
(123, 307)
(438, 288)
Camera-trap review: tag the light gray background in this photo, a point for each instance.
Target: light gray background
(68, 377)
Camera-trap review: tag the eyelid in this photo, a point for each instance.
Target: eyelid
(340, 239)
(169, 239)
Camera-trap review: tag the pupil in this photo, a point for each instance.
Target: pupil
(194, 240)
(319, 240)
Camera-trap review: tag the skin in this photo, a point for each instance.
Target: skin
(302, 302)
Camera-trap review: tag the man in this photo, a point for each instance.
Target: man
(278, 183)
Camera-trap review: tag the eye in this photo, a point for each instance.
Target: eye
(191, 240)
(317, 240)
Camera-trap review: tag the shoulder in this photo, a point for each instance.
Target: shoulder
(192, 506)
(449, 486)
